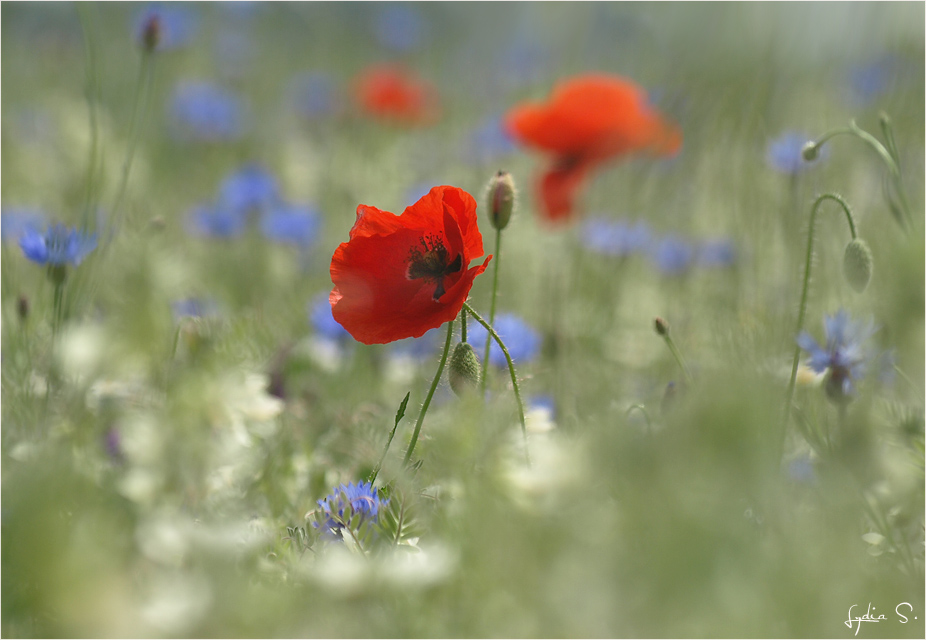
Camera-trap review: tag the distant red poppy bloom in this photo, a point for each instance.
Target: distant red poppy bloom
(400, 276)
(393, 93)
(588, 120)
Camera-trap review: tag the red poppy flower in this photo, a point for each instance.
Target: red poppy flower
(392, 93)
(399, 276)
(588, 121)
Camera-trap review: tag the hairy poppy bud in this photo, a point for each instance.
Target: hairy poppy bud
(810, 151)
(857, 264)
(464, 369)
(501, 199)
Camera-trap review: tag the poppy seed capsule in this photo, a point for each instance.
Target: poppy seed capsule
(857, 263)
(501, 199)
(464, 369)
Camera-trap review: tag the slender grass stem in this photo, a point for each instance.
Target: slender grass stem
(427, 400)
(94, 166)
(802, 307)
(514, 377)
(488, 344)
(139, 111)
(678, 357)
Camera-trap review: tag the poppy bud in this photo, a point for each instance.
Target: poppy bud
(810, 151)
(857, 264)
(151, 32)
(501, 199)
(662, 327)
(464, 369)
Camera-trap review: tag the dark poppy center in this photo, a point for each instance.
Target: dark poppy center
(432, 262)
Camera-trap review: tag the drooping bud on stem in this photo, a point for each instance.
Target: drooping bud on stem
(810, 151)
(464, 369)
(501, 196)
(857, 263)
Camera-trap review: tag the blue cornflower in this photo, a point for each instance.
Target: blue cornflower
(615, 237)
(14, 223)
(206, 112)
(522, 340)
(784, 153)
(870, 81)
(215, 222)
(176, 25)
(400, 28)
(672, 255)
(313, 94)
(345, 503)
(323, 321)
(248, 188)
(845, 356)
(58, 246)
(292, 224)
(719, 252)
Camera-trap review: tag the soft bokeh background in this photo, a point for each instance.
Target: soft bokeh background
(160, 455)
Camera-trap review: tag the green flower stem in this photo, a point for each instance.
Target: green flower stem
(485, 359)
(514, 377)
(427, 400)
(802, 308)
(139, 111)
(463, 325)
(58, 308)
(88, 24)
(678, 357)
(888, 155)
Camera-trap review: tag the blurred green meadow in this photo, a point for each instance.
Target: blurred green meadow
(175, 408)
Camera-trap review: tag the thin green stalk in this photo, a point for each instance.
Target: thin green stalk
(94, 166)
(463, 325)
(427, 400)
(802, 308)
(485, 359)
(888, 155)
(139, 111)
(514, 377)
(678, 357)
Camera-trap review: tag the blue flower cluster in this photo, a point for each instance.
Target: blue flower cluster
(250, 191)
(670, 254)
(845, 356)
(17, 222)
(344, 504)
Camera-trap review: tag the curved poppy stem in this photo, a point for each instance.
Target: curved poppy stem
(514, 377)
(427, 400)
(802, 309)
(485, 360)
(887, 153)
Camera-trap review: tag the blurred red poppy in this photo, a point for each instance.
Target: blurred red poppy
(390, 92)
(588, 121)
(400, 276)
